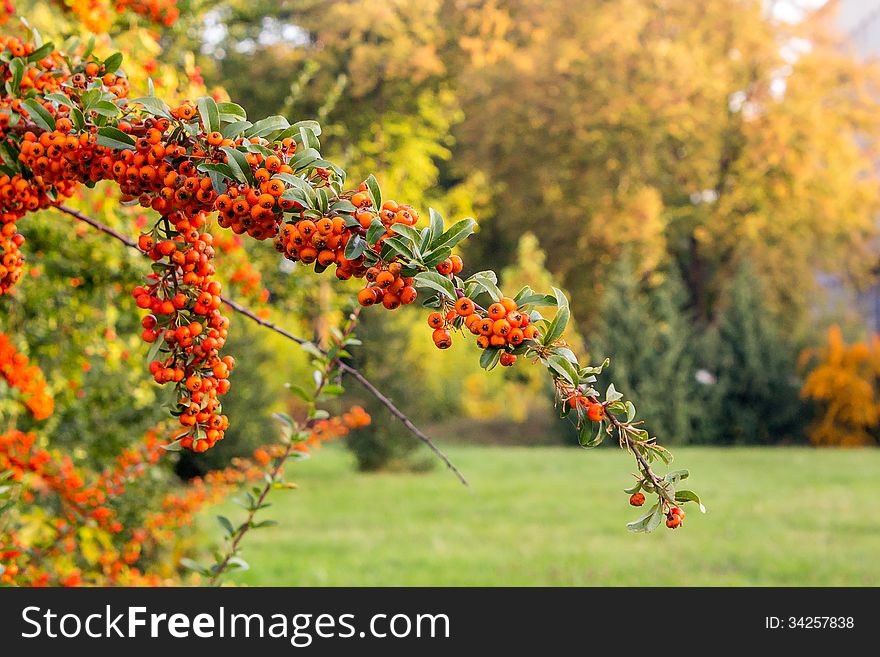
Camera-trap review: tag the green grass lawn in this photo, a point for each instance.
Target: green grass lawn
(556, 516)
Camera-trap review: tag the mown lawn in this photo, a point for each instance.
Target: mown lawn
(555, 516)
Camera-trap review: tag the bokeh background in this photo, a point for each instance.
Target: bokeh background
(700, 177)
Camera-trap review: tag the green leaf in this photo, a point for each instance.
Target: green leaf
(435, 256)
(434, 281)
(232, 130)
(490, 357)
(611, 394)
(344, 206)
(689, 496)
(210, 113)
(563, 367)
(154, 106)
(154, 350)
(635, 488)
(456, 233)
(407, 232)
(60, 99)
(591, 434)
(238, 163)
(192, 565)
(398, 246)
(309, 138)
(79, 121)
(267, 126)
(237, 563)
(113, 62)
(16, 67)
(41, 52)
(105, 108)
(655, 519)
(268, 523)
(226, 524)
(231, 112)
(332, 390)
(115, 138)
(299, 391)
(355, 247)
(306, 190)
(374, 191)
(304, 159)
(375, 231)
(630, 411)
(641, 525)
(487, 280)
(173, 446)
(312, 125)
(560, 321)
(677, 475)
(436, 227)
(39, 114)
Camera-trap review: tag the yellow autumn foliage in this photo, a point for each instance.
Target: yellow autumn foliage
(845, 385)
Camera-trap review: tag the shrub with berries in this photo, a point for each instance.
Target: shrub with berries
(66, 121)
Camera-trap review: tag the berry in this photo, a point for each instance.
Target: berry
(446, 267)
(442, 339)
(637, 499)
(596, 412)
(464, 307)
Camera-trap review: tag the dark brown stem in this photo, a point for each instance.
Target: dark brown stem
(634, 448)
(348, 369)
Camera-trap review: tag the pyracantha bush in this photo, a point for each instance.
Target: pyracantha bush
(66, 120)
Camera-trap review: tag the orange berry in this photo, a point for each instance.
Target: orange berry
(442, 338)
(509, 304)
(497, 311)
(464, 307)
(596, 412)
(445, 267)
(408, 295)
(385, 279)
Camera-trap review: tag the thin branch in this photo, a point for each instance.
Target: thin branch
(631, 445)
(353, 372)
(396, 412)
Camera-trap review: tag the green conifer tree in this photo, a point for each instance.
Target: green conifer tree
(642, 325)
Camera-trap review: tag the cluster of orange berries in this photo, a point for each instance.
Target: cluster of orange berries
(674, 518)
(387, 286)
(18, 197)
(17, 371)
(501, 326)
(80, 500)
(162, 12)
(323, 241)
(595, 410)
(169, 169)
(184, 303)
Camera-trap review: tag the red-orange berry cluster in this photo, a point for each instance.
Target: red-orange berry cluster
(387, 286)
(162, 12)
(18, 372)
(502, 325)
(675, 517)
